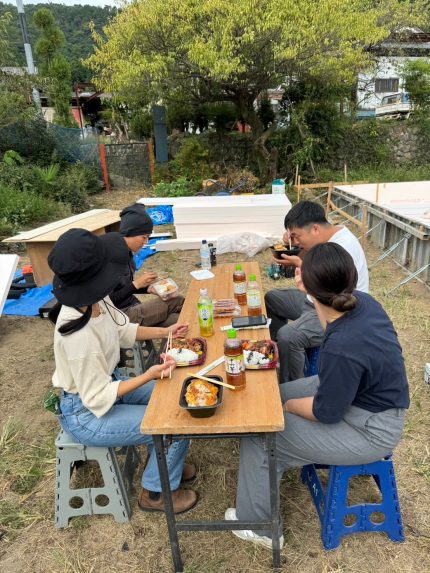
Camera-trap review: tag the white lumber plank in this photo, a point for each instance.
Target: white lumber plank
(8, 264)
(216, 200)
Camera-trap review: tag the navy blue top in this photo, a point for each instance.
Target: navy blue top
(360, 364)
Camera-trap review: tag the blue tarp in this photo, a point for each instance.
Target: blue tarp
(161, 215)
(28, 304)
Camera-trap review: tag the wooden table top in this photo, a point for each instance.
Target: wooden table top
(257, 408)
(90, 220)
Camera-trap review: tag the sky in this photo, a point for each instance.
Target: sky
(67, 2)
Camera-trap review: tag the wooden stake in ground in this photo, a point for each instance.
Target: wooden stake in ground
(330, 190)
(377, 193)
(345, 172)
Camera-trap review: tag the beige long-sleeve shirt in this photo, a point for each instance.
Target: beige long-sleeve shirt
(86, 359)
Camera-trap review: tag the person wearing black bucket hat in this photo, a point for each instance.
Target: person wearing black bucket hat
(135, 227)
(98, 408)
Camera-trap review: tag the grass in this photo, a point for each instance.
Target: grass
(31, 544)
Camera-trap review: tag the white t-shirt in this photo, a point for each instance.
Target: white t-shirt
(350, 243)
(86, 359)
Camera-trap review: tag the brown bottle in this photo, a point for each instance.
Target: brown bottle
(253, 297)
(234, 364)
(239, 285)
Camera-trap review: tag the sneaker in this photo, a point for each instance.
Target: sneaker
(248, 535)
(183, 500)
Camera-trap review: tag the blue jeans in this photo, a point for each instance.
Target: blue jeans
(120, 426)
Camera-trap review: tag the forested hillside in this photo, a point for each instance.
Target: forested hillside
(73, 21)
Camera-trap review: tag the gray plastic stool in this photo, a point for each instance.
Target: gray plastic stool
(136, 360)
(68, 453)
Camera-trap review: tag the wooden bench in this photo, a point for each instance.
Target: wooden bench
(39, 242)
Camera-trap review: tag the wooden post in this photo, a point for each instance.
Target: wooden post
(151, 159)
(297, 174)
(345, 172)
(377, 193)
(298, 188)
(330, 190)
(103, 165)
(363, 226)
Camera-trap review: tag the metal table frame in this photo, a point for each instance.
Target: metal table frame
(161, 444)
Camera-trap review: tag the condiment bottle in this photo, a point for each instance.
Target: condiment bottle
(239, 285)
(234, 364)
(253, 297)
(206, 313)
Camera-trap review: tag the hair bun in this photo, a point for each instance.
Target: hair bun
(343, 301)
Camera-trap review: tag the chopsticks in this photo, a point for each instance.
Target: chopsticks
(212, 380)
(168, 347)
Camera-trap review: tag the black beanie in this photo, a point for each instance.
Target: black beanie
(135, 221)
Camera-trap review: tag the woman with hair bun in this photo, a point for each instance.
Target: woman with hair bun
(353, 411)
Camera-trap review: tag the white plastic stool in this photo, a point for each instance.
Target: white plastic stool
(114, 489)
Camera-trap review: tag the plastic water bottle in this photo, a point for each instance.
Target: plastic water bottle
(205, 255)
(206, 313)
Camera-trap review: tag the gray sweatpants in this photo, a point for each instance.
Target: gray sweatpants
(295, 326)
(360, 438)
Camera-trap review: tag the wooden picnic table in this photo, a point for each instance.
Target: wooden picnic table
(255, 410)
(39, 241)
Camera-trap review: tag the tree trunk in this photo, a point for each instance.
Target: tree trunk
(259, 136)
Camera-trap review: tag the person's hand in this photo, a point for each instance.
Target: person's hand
(298, 280)
(145, 279)
(178, 330)
(158, 369)
(291, 261)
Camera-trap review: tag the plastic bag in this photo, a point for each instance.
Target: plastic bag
(247, 243)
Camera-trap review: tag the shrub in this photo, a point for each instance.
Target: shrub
(179, 188)
(21, 208)
(20, 177)
(192, 162)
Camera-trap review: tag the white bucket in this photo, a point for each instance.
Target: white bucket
(278, 187)
(427, 373)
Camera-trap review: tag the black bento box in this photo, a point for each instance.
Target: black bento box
(200, 411)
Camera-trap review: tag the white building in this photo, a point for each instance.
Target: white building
(386, 76)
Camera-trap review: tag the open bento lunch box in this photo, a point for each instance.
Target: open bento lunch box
(280, 249)
(259, 354)
(166, 288)
(192, 395)
(188, 351)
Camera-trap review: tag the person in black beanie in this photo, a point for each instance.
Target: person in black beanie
(136, 227)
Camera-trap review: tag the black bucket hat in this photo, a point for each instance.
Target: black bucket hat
(87, 267)
(135, 221)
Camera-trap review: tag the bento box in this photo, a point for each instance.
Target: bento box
(281, 249)
(188, 351)
(166, 288)
(200, 411)
(259, 354)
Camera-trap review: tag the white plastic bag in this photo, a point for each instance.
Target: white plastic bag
(247, 243)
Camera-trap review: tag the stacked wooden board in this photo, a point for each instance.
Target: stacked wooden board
(198, 218)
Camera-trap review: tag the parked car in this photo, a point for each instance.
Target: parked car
(394, 106)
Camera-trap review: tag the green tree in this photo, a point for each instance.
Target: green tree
(416, 74)
(54, 67)
(232, 50)
(14, 89)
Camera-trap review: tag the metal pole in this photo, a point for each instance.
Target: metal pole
(28, 52)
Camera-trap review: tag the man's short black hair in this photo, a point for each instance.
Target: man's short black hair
(305, 213)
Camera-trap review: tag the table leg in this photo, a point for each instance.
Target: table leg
(274, 499)
(167, 496)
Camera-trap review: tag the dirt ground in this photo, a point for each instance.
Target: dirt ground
(29, 543)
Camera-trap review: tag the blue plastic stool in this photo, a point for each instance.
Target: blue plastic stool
(311, 361)
(332, 505)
